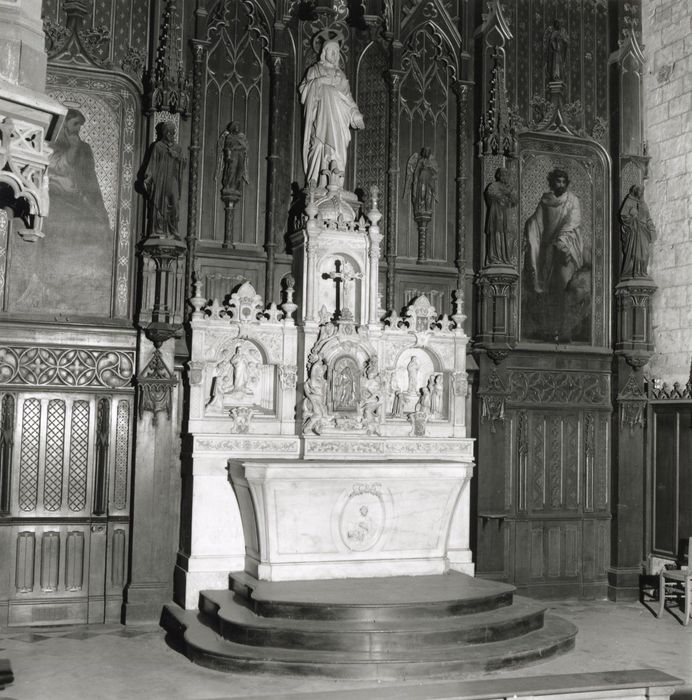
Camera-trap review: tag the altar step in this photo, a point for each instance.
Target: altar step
(385, 628)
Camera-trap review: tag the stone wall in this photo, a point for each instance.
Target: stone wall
(667, 38)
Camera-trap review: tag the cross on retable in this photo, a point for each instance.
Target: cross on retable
(342, 275)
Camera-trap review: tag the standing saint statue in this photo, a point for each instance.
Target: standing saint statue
(637, 232)
(330, 112)
(499, 197)
(160, 179)
(555, 41)
(231, 158)
(421, 177)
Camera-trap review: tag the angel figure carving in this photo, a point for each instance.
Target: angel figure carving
(421, 178)
(231, 158)
(555, 42)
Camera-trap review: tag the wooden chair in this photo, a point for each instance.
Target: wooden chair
(677, 582)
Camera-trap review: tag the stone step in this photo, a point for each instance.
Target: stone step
(387, 598)
(204, 646)
(228, 614)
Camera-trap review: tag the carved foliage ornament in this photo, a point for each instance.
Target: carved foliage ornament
(53, 366)
(558, 387)
(76, 42)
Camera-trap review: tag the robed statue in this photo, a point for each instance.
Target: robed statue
(499, 198)
(330, 113)
(160, 179)
(637, 232)
(421, 177)
(231, 158)
(555, 42)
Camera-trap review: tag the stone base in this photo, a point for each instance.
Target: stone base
(341, 519)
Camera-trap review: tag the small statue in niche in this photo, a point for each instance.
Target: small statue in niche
(421, 178)
(241, 372)
(555, 42)
(314, 405)
(423, 405)
(371, 397)
(637, 232)
(412, 370)
(435, 390)
(159, 180)
(231, 159)
(499, 197)
(233, 377)
(330, 112)
(345, 385)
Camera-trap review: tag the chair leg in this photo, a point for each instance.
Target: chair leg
(688, 594)
(661, 595)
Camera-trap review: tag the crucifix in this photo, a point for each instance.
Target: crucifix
(342, 275)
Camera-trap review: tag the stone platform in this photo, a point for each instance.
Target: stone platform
(385, 628)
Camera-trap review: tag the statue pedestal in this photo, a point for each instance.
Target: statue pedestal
(338, 519)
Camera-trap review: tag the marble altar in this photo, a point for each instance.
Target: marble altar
(328, 438)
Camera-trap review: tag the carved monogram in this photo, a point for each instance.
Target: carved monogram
(53, 366)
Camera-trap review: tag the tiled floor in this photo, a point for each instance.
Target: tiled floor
(105, 662)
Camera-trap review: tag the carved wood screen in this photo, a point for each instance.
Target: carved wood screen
(254, 57)
(236, 89)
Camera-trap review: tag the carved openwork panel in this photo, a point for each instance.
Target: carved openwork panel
(72, 455)
(91, 218)
(65, 366)
(564, 217)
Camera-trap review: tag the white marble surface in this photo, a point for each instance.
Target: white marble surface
(343, 518)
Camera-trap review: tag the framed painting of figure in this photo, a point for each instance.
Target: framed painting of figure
(564, 215)
(83, 265)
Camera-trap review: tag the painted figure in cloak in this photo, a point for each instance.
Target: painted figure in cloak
(421, 177)
(637, 232)
(330, 112)
(553, 233)
(232, 157)
(499, 197)
(74, 188)
(558, 266)
(555, 41)
(160, 179)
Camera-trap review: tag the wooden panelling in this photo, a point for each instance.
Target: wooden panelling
(671, 477)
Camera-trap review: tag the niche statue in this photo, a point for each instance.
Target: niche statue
(637, 232)
(159, 180)
(232, 158)
(555, 42)
(499, 197)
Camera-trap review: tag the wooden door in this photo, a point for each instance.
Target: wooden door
(66, 502)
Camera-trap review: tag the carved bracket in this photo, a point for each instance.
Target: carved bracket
(493, 397)
(156, 383)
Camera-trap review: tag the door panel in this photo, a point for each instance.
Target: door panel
(68, 506)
